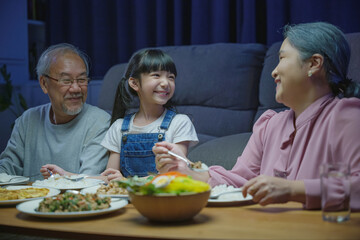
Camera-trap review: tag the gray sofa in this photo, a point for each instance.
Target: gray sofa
(224, 88)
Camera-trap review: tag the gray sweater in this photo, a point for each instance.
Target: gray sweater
(74, 146)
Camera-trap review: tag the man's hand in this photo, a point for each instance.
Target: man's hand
(49, 169)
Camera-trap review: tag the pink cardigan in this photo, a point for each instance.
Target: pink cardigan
(327, 131)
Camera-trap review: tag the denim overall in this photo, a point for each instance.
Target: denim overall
(136, 156)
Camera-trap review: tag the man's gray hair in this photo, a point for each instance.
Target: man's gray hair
(44, 63)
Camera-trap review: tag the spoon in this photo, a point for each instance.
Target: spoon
(180, 157)
(75, 178)
(51, 174)
(217, 195)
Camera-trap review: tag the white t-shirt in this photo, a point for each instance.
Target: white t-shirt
(181, 129)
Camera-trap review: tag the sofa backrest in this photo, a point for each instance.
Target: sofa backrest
(217, 86)
(354, 65)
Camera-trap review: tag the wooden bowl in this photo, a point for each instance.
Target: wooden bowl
(169, 207)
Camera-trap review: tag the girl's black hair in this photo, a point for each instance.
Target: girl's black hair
(143, 61)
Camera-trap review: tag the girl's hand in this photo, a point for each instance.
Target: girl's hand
(166, 162)
(112, 174)
(266, 190)
(44, 170)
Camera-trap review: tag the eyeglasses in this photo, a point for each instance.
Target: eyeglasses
(83, 81)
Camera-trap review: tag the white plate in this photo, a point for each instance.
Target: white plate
(51, 193)
(17, 180)
(93, 189)
(231, 199)
(88, 182)
(30, 208)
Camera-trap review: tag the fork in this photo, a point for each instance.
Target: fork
(180, 157)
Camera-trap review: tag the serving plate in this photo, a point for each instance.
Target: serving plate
(230, 199)
(30, 207)
(15, 180)
(52, 192)
(93, 190)
(70, 185)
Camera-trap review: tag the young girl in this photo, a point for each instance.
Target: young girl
(150, 76)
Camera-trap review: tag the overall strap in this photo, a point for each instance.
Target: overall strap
(126, 122)
(167, 119)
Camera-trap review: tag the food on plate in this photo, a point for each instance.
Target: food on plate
(61, 182)
(232, 192)
(196, 165)
(6, 194)
(72, 202)
(171, 182)
(111, 189)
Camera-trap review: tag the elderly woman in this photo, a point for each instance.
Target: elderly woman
(281, 160)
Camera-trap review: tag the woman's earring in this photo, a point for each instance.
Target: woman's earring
(309, 73)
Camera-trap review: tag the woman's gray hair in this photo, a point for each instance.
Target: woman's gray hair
(45, 60)
(329, 41)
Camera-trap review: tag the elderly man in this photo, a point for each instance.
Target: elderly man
(67, 131)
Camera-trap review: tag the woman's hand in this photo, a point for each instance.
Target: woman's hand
(112, 174)
(44, 170)
(266, 190)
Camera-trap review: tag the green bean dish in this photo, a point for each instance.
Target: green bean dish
(71, 202)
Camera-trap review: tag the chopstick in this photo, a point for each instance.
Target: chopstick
(180, 157)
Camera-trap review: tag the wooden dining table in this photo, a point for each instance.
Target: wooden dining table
(276, 221)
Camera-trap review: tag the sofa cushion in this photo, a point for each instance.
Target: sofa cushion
(109, 86)
(222, 151)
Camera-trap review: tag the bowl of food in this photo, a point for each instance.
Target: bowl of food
(169, 197)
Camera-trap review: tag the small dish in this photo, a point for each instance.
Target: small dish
(93, 189)
(15, 180)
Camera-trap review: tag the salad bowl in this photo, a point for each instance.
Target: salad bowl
(169, 207)
(168, 197)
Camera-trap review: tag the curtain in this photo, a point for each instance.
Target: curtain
(109, 31)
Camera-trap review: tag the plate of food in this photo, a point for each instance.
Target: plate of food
(228, 196)
(6, 179)
(111, 190)
(62, 183)
(13, 195)
(80, 206)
